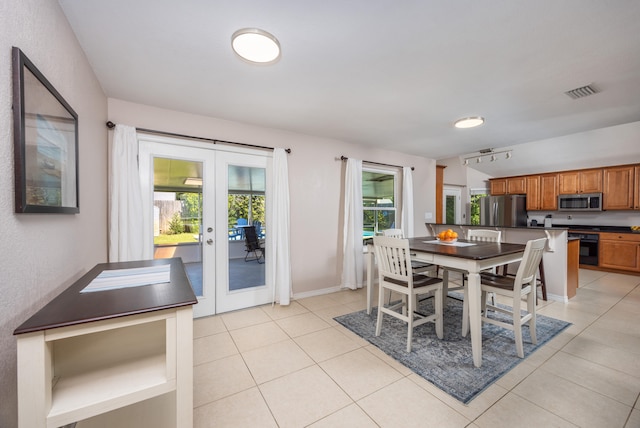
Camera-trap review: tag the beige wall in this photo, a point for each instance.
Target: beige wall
(315, 177)
(41, 254)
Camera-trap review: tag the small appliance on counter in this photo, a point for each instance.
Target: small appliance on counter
(547, 221)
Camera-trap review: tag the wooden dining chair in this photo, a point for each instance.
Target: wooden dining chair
(396, 274)
(522, 286)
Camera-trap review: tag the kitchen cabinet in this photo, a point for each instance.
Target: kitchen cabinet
(619, 251)
(533, 192)
(573, 266)
(508, 186)
(582, 181)
(542, 192)
(618, 192)
(636, 192)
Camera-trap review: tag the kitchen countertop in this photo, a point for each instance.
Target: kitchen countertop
(570, 227)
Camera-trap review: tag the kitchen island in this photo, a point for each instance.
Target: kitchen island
(555, 258)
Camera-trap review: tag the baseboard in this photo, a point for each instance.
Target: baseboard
(313, 293)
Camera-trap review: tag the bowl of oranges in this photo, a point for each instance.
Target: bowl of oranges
(447, 236)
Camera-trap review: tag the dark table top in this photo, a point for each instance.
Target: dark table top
(72, 307)
(480, 251)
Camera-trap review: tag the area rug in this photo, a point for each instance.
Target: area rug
(448, 363)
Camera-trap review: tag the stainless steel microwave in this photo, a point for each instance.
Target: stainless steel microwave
(580, 202)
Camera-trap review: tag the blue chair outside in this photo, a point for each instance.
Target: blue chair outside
(241, 223)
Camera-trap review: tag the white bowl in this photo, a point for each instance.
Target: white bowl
(448, 241)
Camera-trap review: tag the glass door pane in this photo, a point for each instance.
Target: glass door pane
(181, 190)
(245, 212)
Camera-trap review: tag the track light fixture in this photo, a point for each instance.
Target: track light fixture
(492, 155)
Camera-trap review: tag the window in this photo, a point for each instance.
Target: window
(378, 201)
(474, 205)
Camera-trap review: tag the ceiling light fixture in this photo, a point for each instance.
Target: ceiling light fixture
(490, 153)
(469, 122)
(255, 45)
(193, 181)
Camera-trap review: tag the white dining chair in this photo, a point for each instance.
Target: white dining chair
(417, 265)
(485, 235)
(396, 274)
(522, 286)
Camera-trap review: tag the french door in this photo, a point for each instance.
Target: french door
(197, 196)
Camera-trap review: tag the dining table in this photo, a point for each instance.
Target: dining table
(470, 256)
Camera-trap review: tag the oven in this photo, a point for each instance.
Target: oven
(588, 247)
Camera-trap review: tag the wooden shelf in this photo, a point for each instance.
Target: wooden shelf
(128, 346)
(78, 397)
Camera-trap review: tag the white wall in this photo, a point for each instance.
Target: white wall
(315, 177)
(457, 174)
(42, 254)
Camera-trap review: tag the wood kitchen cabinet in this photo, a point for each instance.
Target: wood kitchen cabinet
(636, 192)
(619, 251)
(533, 192)
(573, 266)
(619, 187)
(542, 192)
(583, 181)
(508, 186)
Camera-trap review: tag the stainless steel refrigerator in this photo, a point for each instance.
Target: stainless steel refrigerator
(508, 211)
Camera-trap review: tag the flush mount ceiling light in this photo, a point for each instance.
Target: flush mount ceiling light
(469, 122)
(255, 45)
(193, 181)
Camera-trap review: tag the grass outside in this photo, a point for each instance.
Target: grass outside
(175, 239)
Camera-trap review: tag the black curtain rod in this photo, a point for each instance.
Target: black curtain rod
(112, 125)
(377, 163)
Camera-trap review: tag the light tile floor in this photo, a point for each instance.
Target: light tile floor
(296, 367)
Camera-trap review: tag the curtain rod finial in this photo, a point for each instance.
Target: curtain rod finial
(111, 125)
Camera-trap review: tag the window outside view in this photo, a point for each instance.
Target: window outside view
(378, 200)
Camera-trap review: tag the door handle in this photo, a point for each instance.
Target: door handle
(209, 241)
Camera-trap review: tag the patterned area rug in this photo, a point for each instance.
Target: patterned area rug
(448, 363)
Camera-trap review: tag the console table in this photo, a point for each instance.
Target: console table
(86, 354)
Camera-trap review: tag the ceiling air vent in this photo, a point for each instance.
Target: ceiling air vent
(581, 92)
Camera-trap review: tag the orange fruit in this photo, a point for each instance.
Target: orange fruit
(454, 235)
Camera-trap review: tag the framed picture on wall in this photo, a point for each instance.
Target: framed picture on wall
(45, 138)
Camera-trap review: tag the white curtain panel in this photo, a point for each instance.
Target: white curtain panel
(353, 261)
(130, 237)
(278, 255)
(407, 202)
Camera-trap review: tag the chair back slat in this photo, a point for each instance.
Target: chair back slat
(528, 269)
(393, 233)
(485, 235)
(393, 257)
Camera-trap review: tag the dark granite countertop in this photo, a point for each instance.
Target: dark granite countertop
(569, 227)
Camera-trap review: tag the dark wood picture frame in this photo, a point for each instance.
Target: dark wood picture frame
(45, 143)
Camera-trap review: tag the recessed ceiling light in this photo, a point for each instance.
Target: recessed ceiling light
(255, 45)
(469, 122)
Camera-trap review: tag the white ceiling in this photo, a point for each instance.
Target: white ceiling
(390, 74)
